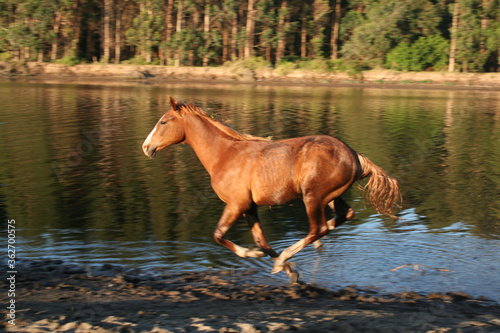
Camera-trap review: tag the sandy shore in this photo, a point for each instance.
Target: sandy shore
(232, 75)
(52, 296)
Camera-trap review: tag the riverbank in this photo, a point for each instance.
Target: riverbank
(53, 296)
(239, 74)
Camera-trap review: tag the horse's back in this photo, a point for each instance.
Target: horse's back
(285, 169)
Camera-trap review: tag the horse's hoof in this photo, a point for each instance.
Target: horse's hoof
(294, 278)
(350, 214)
(331, 224)
(254, 253)
(277, 269)
(319, 246)
(279, 266)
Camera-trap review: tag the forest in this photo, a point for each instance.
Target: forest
(328, 35)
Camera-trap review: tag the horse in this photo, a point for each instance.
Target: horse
(248, 171)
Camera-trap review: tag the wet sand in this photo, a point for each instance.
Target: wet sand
(53, 296)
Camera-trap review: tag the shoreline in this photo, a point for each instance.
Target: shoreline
(152, 74)
(54, 296)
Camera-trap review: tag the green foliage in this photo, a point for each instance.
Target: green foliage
(184, 42)
(69, 61)
(251, 63)
(136, 60)
(387, 23)
(384, 33)
(431, 51)
(400, 58)
(6, 56)
(288, 64)
(426, 52)
(145, 32)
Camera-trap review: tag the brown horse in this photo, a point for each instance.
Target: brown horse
(248, 171)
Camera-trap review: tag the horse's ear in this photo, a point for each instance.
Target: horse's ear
(174, 104)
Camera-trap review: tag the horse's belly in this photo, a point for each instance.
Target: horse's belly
(273, 193)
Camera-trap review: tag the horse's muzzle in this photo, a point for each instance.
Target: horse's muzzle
(149, 151)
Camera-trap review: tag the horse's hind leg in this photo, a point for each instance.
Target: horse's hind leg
(253, 220)
(317, 229)
(343, 212)
(229, 216)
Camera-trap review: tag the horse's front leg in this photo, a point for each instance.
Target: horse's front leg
(253, 219)
(229, 216)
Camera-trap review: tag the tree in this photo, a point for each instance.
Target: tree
(362, 33)
(250, 29)
(454, 33)
(386, 23)
(426, 52)
(334, 40)
(144, 34)
(118, 29)
(107, 31)
(320, 11)
(283, 29)
(268, 21)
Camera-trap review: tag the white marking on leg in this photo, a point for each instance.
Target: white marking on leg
(247, 253)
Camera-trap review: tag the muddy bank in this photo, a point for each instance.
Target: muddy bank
(434, 80)
(52, 296)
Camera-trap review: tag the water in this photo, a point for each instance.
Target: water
(73, 176)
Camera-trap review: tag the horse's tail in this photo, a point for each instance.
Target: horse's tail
(381, 190)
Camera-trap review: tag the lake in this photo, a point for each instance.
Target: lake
(74, 178)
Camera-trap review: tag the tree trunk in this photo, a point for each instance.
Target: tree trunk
(107, 32)
(118, 30)
(26, 53)
(465, 67)
(178, 28)
(250, 29)
(303, 38)
(485, 22)
(57, 26)
(282, 30)
(169, 27)
(234, 37)
(335, 30)
(225, 45)
(180, 13)
(206, 32)
(454, 33)
(77, 26)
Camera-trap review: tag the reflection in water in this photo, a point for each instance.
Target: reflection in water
(74, 177)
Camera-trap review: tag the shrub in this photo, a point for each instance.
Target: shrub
(139, 60)
(251, 63)
(432, 51)
(426, 52)
(6, 56)
(69, 61)
(400, 58)
(318, 65)
(285, 67)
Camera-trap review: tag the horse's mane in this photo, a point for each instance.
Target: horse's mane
(196, 111)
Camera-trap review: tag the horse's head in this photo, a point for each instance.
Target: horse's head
(168, 131)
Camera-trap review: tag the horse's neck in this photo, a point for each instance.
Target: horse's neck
(207, 141)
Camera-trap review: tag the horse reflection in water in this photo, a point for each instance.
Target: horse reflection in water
(248, 171)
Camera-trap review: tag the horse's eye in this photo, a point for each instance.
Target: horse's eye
(163, 122)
